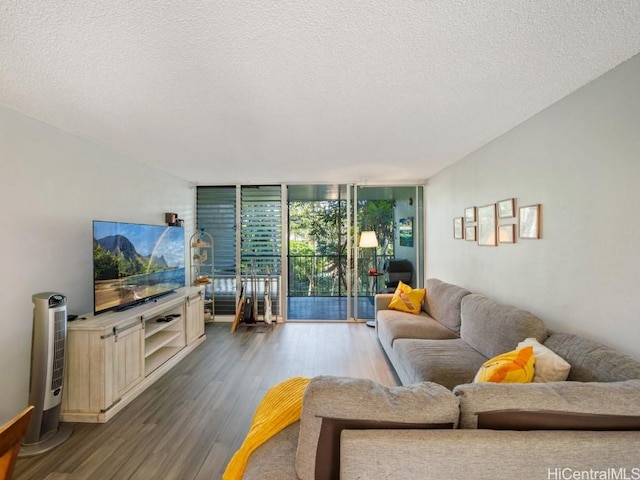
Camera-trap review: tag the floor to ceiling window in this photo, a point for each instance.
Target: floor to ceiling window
(246, 225)
(331, 273)
(261, 243)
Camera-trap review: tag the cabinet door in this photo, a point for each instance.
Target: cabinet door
(128, 357)
(88, 372)
(195, 317)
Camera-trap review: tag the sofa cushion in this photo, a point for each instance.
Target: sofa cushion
(592, 361)
(615, 398)
(407, 299)
(515, 366)
(493, 328)
(443, 303)
(550, 367)
(446, 362)
(393, 325)
(487, 454)
(361, 399)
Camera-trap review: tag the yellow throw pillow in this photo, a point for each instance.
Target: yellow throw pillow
(407, 299)
(516, 366)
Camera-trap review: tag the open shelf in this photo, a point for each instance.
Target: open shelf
(200, 244)
(162, 340)
(202, 267)
(153, 326)
(159, 340)
(156, 359)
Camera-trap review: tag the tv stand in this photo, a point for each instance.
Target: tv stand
(113, 357)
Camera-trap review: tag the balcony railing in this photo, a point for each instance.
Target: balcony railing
(309, 276)
(325, 275)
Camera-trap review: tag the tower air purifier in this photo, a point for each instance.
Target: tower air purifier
(47, 370)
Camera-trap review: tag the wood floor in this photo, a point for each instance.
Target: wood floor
(190, 422)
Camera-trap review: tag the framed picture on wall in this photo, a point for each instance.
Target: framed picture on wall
(507, 233)
(529, 221)
(506, 208)
(457, 228)
(405, 231)
(487, 225)
(470, 233)
(470, 215)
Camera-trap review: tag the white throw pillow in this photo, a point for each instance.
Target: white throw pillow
(549, 367)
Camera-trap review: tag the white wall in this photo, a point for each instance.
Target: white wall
(53, 185)
(580, 159)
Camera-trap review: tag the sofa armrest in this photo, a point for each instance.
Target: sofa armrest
(382, 301)
(483, 454)
(358, 402)
(276, 458)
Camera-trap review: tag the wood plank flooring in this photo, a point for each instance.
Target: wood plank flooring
(189, 423)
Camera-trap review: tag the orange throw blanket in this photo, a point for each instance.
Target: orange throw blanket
(280, 407)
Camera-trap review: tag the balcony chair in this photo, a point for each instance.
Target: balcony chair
(397, 270)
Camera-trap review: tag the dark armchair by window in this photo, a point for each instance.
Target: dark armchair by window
(395, 271)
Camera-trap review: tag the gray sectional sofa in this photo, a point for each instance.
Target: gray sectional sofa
(439, 424)
(458, 331)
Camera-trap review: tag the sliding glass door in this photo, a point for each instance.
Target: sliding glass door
(388, 227)
(318, 252)
(341, 237)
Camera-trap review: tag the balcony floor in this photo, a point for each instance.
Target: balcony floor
(326, 308)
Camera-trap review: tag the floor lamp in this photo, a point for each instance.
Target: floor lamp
(368, 239)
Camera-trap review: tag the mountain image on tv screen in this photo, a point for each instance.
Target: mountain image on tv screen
(135, 262)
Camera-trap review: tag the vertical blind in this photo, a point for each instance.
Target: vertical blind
(216, 213)
(261, 241)
(261, 230)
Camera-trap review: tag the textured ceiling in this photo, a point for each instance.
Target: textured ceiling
(240, 91)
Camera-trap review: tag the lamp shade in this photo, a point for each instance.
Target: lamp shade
(368, 239)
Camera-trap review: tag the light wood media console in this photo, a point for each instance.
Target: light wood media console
(113, 357)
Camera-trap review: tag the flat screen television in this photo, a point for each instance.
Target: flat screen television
(134, 263)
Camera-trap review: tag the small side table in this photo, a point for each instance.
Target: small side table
(375, 276)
